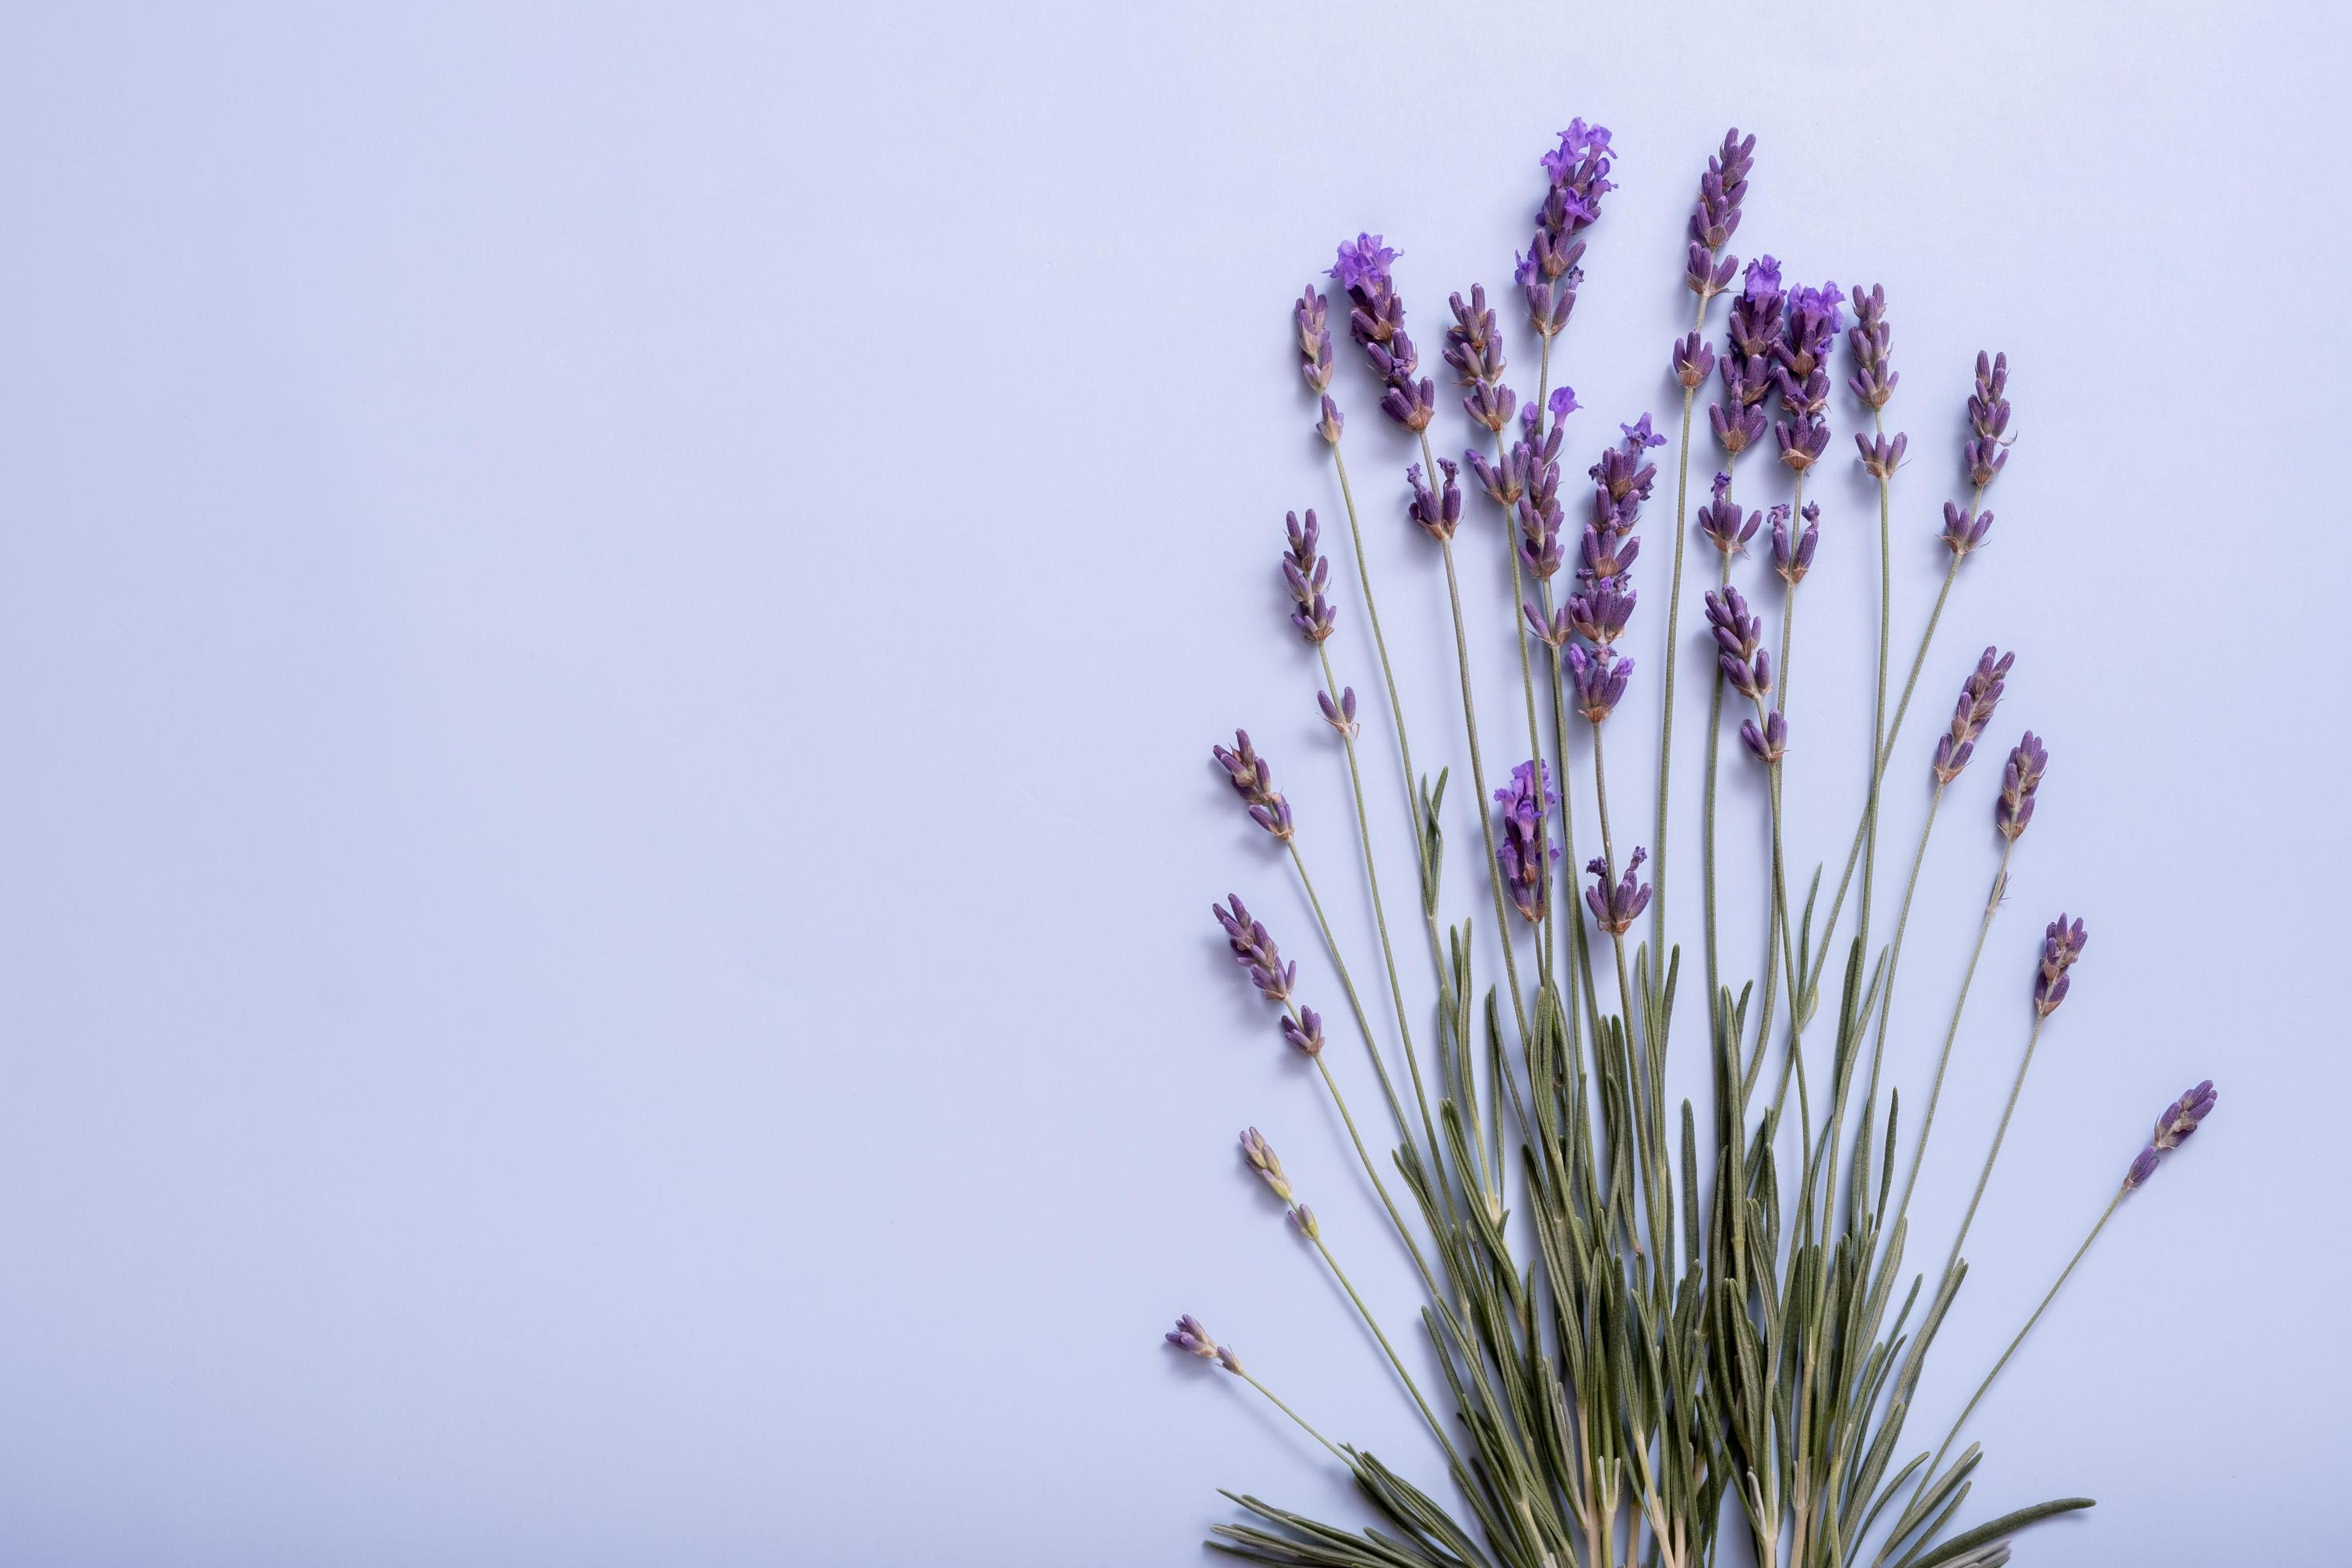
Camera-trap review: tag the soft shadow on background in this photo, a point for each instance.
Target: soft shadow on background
(610, 625)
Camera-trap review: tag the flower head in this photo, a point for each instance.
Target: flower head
(1261, 1158)
(1768, 742)
(2180, 1119)
(1255, 950)
(1600, 680)
(1615, 908)
(1364, 262)
(1307, 573)
(1524, 852)
(2019, 777)
(1719, 519)
(1253, 779)
(1305, 1032)
(1439, 511)
(1792, 558)
(1986, 452)
(1693, 362)
(1980, 695)
(1964, 530)
(1873, 378)
(1312, 317)
(1190, 1337)
(1339, 715)
(2061, 944)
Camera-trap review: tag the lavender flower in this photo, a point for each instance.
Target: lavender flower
(1438, 511)
(1694, 362)
(1255, 951)
(1599, 611)
(1341, 715)
(1799, 369)
(1303, 1218)
(1754, 325)
(1262, 1158)
(1312, 315)
(1873, 378)
(1769, 744)
(1720, 521)
(1986, 451)
(1716, 218)
(1739, 644)
(1523, 851)
(1548, 274)
(1305, 1032)
(1307, 573)
(1600, 680)
(1188, 1335)
(1794, 558)
(1253, 779)
(1964, 530)
(1980, 695)
(1881, 455)
(1475, 348)
(2180, 1119)
(1376, 320)
(2022, 775)
(1615, 910)
(2061, 944)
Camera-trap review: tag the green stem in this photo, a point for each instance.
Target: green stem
(1294, 1414)
(1999, 1133)
(1927, 1123)
(1895, 953)
(1436, 1429)
(1478, 782)
(1348, 985)
(1666, 718)
(1379, 642)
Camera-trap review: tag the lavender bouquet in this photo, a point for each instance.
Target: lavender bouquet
(1646, 1337)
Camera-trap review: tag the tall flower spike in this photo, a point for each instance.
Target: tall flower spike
(1980, 695)
(1771, 742)
(1615, 910)
(1255, 951)
(1262, 1158)
(1473, 347)
(2018, 779)
(1799, 369)
(1307, 573)
(1874, 377)
(2061, 944)
(1739, 644)
(1439, 511)
(1548, 274)
(1716, 218)
(1986, 451)
(1376, 320)
(1792, 558)
(1253, 779)
(1312, 315)
(1720, 521)
(1524, 852)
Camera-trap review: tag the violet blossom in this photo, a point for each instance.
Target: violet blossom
(2013, 809)
(1308, 574)
(1376, 322)
(1794, 558)
(1524, 851)
(1717, 217)
(1980, 695)
(2061, 944)
(1615, 908)
(1253, 779)
(1254, 949)
(1549, 274)
(1719, 519)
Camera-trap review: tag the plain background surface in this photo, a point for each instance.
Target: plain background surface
(609, 628)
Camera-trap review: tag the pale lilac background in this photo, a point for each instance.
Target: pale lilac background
(608, 629)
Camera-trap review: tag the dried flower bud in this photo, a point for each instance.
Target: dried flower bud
(1600, 680)
(2180, 1119)
(1253, 779)
(1341, 715)
(1312, 315)
(1986, 451)
(1305, 1032)
(1331, 424)
(2143, 1166)
(1873, 379)
(1261, 1157)
(1719, 519)
(1303, 1218)
(1439, 511)
(2018, 779)
(1255, 951)
(1600, 612)
(1771, 742)
(1881, 455)
(1190, 1337)
(1615, 908)
(1794, 558)
(1308, 574)
(1964, 530)
(2061, 944)
(1694, 362)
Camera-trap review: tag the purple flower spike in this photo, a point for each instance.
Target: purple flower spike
(1255, 951)
(2022, 775)
(1524, 852)
(1364, 263)
(1599, 681)
(1964, 530)
(1438, 511)
(1720, 191)
(1874, 379)
(1720, 521)
(2180, 1119)
(1980, 695)
(1341, 715)
(1376, 320)
(1312, 315)
(2183, 1117)
(1549, 274)
(1599, 611)
(1475, 349)
(1261, 1157)
(1253, 779)
(1986, 451)
(1792, 558)
(1739, 644)
(1304, 1033)
(1694, 362)
(1307, 573)
(1769, 744)
(2061, 944)
(1615, 910)
(1756, 314)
